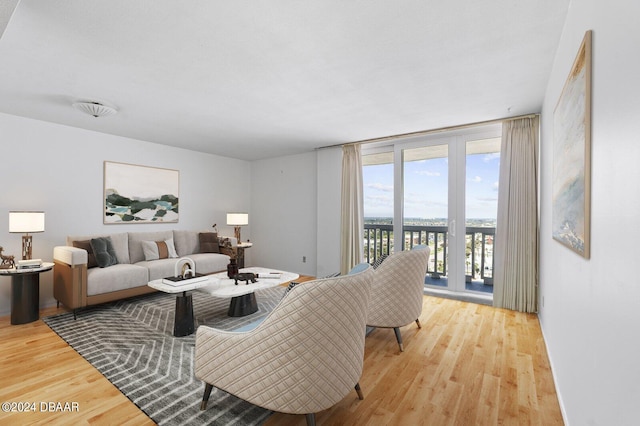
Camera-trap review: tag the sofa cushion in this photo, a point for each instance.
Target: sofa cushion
(158, 269)
(120, 243)
(116, 277)
(136, 254)
(86, 245)
(208, 263)
(209, 242)
(154, 250)
(186, 242)
(103, 252)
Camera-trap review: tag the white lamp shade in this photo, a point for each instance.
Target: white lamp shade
(237, 219)
(25, 222)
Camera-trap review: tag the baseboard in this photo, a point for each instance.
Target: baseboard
(465, 297)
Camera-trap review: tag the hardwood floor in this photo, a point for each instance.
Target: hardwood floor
(468, 365)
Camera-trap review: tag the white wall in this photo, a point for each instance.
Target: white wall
(590, 309)
(283, 214)
(329, 199)
(59, 169)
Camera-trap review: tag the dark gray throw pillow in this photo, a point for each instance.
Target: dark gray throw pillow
(209, 242)
(103, 251)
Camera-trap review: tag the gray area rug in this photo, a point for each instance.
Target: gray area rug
(131, 343)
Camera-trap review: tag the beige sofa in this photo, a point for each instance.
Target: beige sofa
(76, 284)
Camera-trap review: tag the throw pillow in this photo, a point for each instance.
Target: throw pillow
(209, 242)
(86, 245)
(154, 250)
(103, 251)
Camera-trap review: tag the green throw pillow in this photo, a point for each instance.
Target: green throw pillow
(103, 251)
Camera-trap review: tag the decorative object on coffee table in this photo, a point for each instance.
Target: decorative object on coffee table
(26, 222)
(237, 220)
(232, 268)
(246, 277)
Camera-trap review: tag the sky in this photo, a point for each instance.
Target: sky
(426, 192)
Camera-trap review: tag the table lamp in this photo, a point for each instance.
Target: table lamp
(237, 220)
(26, 222)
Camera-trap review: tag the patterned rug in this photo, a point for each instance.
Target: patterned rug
(131, 343)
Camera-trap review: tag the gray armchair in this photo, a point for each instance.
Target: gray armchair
(397, 291)
(303, 358)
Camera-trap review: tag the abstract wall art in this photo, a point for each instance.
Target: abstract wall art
(140, 194)
(571, 197)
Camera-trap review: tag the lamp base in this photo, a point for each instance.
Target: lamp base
(236, 233)
(26, 247)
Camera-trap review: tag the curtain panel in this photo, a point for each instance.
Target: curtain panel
(517, 230)
(352, 220)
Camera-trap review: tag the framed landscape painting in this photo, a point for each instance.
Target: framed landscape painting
(140, 194)
(571, 203)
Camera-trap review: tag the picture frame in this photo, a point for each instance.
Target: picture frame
(140, 194)
(571, 194)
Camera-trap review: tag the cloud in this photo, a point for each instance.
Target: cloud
(427, 173)
(378, 200)
(476, 179)
(495, 185)
(380, 187)
(491, 157)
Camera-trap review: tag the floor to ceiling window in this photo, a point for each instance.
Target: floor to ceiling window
(440, 190)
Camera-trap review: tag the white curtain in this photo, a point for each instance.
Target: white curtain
(351, 224)
(516, 245)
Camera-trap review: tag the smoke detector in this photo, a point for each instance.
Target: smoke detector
(95, 109)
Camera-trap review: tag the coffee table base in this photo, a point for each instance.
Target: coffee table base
(183, 323)
(241, 306)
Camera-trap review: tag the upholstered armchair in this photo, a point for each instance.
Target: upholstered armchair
(397, 291)
(306, 355)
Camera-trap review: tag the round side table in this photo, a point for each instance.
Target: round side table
(25, 292)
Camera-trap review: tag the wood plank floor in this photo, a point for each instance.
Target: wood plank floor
(468, 365)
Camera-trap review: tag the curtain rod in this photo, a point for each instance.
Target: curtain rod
(429, 132)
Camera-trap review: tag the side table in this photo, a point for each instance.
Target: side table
(25, 293)
(240, 257)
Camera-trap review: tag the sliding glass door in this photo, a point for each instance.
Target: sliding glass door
(425, 218)
(440, 191)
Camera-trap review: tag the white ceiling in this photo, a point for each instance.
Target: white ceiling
(266, 78)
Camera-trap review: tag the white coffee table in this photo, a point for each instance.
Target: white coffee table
(183, 324)
(243, 299)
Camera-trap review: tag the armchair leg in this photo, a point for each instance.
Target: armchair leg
(418, 323)
(399, 338)
(359, 391)
(311, 419)
(205, 397)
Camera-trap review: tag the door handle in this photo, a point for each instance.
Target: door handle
(452, 228)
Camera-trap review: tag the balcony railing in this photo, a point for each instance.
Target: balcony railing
(378, 241)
